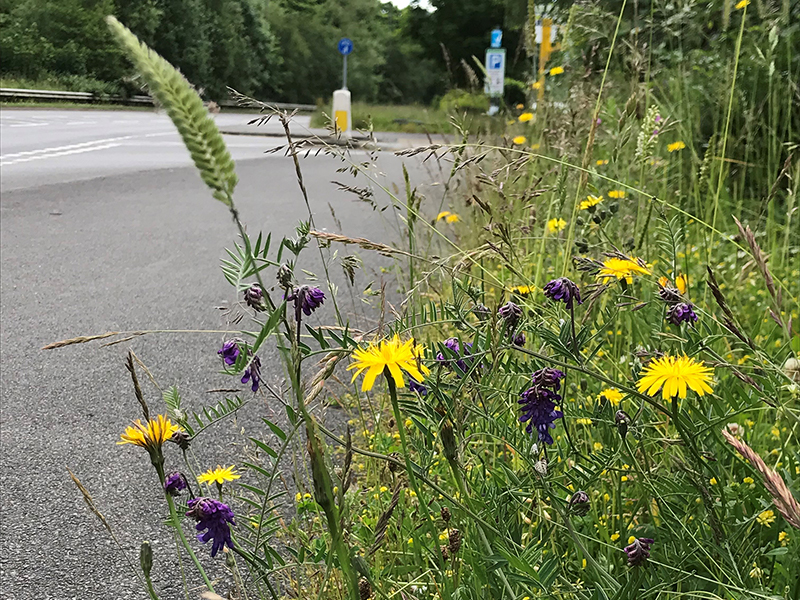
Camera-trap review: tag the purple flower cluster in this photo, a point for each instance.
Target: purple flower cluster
(419, 388)
(307, 299)
(639, 551)
(253, 372)
(563, 290)
(538, 403)
(229, 352)
(682, 312)
(511, 314)
(174, 483)
(519, 339)
(253, 297)
(213, 516)
(452, 344)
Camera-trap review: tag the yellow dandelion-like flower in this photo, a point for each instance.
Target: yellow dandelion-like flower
(556, 71)
(590, 202)
(675, 146)
(682, 283)
(452, 218)
(748, 480)
(536, 85)
(519, 140)
(621, 268)
(601, 162)
(783, 538)
(663, 281)
(443, 214)
(395, 355)
(556, 225)
(522, 290)
(525, 117)
(741, 4)
(219, 475)
(613, 395)
(673, 375)
(766, 518)
(615, 536)
(150, 436)
(616, 194)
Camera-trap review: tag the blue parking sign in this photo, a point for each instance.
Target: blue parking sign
(345, 46)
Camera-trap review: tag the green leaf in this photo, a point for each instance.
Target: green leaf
(275, 429)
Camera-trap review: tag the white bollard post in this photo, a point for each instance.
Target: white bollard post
(341, 113)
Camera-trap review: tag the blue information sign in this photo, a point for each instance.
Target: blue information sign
(345, 46)
(497, 38)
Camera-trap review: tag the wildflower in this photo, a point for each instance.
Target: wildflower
(452, 218)
(219, 475)
(445, 513)
(675, 146)
(511, 313)
(418, 388)
(525, 117)
(598, 447)
(364, 589)
(755, 572)
(253, 297)
(590, 202)
(537, 85)
(556, 225)
(713, 481)
(452, 344)
(601, 162)
(443, 214)
(213, 516)
(182, 439)
(616, 194)
(519, 140)
(615, 536)
(519, 339)
(455, 539)
(481, 311)
(673, 374)
(522, 290)
(681, 313)
(563, 290)
(766, 518)
(741, 4)
(174, 483)
(229, 352)
(307, 299)
(622, 268)
(783, 538)
(579, 503)
(548, 377)
(520, 106)
(394, 355)
(253, 372)
(667, 293)
(638, 551)
(284, 276)
(150, 436)
(748, 481)
(682, 283)
(556, 71)
(612, 395)
(538, 403)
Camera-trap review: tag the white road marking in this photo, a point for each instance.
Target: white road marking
(62, 148)
(30, 125)
(5, 163)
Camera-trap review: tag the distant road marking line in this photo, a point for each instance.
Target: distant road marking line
(30, 125)
(62, 148)
(4, 163)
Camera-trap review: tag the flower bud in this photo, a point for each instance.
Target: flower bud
(254, 297)
(146, 559)
(455, 541)
(285, 276)
(638, 552)
(622, 421)
(364, 589)
(445, 512)
(182, 439)
(579, 503)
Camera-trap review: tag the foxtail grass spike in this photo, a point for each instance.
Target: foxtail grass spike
(185, 108)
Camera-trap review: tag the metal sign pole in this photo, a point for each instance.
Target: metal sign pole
(344, 72)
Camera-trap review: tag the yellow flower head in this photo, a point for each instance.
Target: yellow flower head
(525, 117)
(601, 162)
(675, 146)
(520, 106)
(682, 283)
(452, 218)
(556, 71)
(741, 4)
(616, 194)
(536, 85)
(394, 355)
(556, 225)
(590, 202)
(443, 214)
(519, 140)
(613, 395)
(783, 538)
(673, 374)
(522, 290)
(766, 518)
(219, 475)
(622, 268)
(150, 436)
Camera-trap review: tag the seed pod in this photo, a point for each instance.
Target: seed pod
(455, 541)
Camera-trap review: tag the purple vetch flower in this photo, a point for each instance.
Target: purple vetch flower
(253, 371)
(670, 295)
(657, 120)
(538, 408)
(174, 483)
(681, 313)
(229, 352)
(563, 290)
(511, 313)
(307, 299)
(481, 311)
(639, 551)
(579, 503)
(253, 297)
(419, 388)
(452, 344)
(519, 339)
(213, 516)
(548, 377)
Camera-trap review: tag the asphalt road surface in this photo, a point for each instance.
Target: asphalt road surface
(105, 225)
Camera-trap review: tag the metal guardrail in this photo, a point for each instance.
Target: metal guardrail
(90, 98)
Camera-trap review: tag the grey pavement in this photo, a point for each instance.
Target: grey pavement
(105, 225)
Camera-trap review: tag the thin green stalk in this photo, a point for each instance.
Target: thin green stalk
(176, 523)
